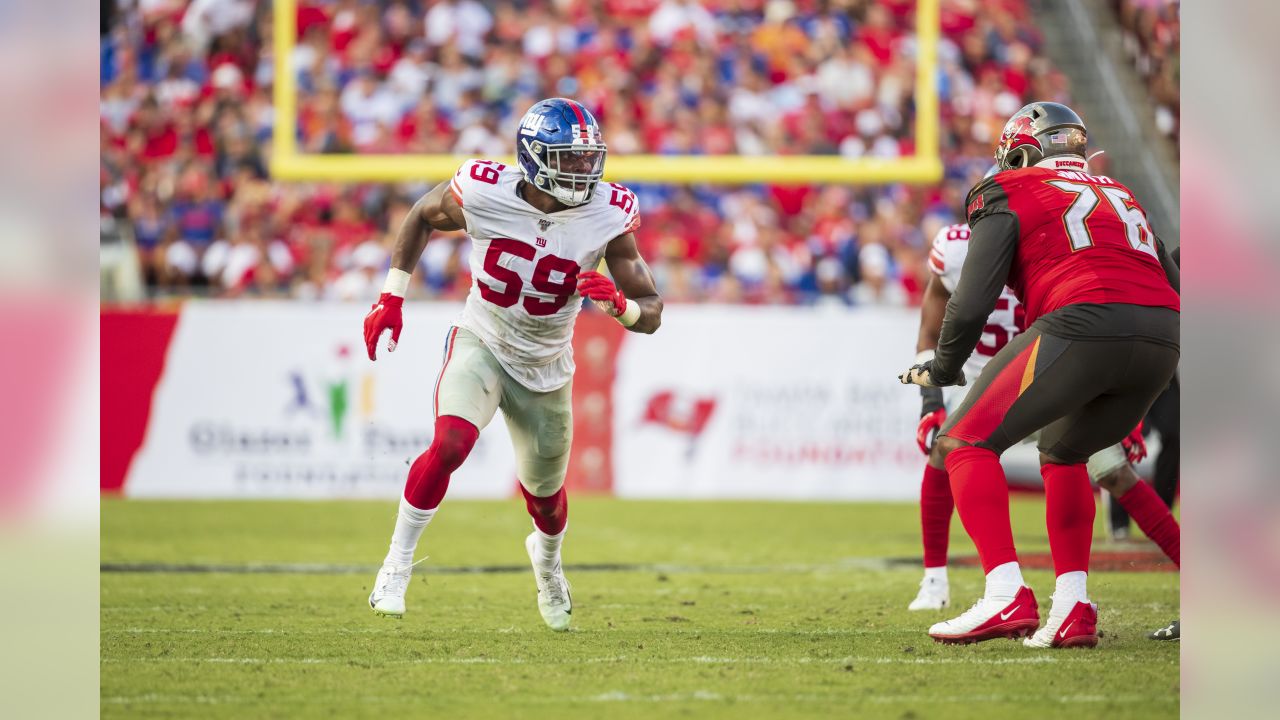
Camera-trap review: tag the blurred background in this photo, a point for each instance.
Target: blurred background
(187, 117)
(258, 158)
(231, 295)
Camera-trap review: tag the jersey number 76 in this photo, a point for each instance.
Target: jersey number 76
(1077, 218)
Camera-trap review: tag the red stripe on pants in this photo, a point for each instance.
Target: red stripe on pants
(448, 354)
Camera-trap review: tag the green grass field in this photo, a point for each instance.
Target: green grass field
(713, 609)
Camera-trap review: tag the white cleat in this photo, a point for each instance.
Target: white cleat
(554, 600)
(387, 598)
(990, 619)
(934, 594)
(1070, 624)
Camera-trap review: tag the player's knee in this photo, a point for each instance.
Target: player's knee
(943, 447)
(937, 457)
(1048, 457)
(553, 436)
(453, 441)
(1118, 481)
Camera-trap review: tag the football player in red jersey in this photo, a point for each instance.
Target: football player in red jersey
(1102, 308)
(1111, 468)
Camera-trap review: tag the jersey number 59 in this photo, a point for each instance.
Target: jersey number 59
(559, 290)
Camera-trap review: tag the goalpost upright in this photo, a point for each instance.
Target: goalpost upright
(925, 166)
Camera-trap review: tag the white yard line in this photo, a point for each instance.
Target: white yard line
(1039, 659)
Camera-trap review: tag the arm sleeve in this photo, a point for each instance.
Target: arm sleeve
(1170, 265)
(986, 270)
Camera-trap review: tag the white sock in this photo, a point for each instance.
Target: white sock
(1004, 581)
(938, 574)
(410, 522)
(546, 548)
(1071, 588)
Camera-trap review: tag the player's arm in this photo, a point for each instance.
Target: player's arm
(992, 244)
(437, 210)
(933, 412)
(1170, 265)
(630, 296)
(932, 310)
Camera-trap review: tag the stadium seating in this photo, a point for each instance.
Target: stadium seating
(1152, 35)
(186, 119)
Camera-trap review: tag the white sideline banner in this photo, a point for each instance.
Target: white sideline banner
(266, 399)
(768, 403)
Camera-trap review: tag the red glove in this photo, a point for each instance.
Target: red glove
(601, 290)
(384, 316)
(1135, 446)
(928, 428)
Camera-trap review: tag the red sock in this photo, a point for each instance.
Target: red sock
(935, 515)
(1153, 516)
(550, 513)
(1069, 510)
(982, 498)
(429, 475)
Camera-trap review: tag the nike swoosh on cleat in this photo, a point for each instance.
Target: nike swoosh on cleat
(1005, 615)
(1063, 634)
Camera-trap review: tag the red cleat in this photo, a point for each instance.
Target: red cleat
(1079, 628)
(988, 620)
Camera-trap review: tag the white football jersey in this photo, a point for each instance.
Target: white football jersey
(524, 267)
(946, 260)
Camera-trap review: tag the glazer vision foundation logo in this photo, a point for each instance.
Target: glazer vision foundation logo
(317, 407)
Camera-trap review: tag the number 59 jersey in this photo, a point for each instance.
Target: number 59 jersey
(525, 264)
(946, 260)
(1081, 239)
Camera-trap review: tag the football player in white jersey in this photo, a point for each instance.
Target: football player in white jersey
(1111, 469)
(538, 231)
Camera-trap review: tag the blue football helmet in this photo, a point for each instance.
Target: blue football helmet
(560, 150)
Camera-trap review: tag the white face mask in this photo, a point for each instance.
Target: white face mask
(570, 188)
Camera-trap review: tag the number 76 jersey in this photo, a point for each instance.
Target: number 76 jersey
(1081, 239)
(524, 267)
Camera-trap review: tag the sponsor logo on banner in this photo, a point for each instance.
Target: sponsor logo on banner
(776, 403)
(680, 413)
(305, 415)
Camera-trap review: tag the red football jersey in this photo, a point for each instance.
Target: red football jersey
(1081, 239)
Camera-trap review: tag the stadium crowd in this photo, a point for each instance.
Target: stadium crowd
(1152, 38)
(186, 118)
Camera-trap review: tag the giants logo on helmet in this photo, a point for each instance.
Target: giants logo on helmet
(532, 124)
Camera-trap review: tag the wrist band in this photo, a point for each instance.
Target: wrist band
(397, 282)
(630, 315)
(924, 356)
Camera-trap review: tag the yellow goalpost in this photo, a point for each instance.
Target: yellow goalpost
(925, 166)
